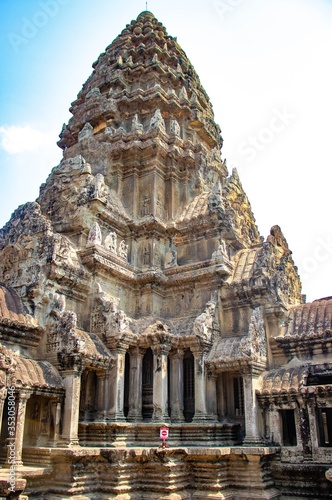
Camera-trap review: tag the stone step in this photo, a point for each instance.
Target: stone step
(105, 434)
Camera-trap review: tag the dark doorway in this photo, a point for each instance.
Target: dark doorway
(147, 385)
(189, 385)
(88, 397)
(126, 385)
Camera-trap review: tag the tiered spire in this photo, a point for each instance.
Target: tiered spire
(143, 65)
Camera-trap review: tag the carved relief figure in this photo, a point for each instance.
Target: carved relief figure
(203, 325)
(110, 242)
(254, 345)
(94, 237)
(97, 320)
(87, 131)
(146, 256)
(157, 121)
(116, 319)
(100, 188)
(171, 257)
(145, 210)
(123, 250)
(183, 93)
(156, 252)
(221, 253)
(63, 336)
(64, 251)
(135, 125)
(159, 206)
(175, 128)
(73, 166)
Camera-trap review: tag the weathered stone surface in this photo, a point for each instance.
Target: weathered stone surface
(137, 292)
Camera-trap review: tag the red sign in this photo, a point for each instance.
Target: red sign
(164, 433)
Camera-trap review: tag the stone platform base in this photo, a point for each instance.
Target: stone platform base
(141, 473)
(123, 434)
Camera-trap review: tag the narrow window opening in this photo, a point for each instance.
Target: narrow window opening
(238, 396)
(288, 428)
(324, 418)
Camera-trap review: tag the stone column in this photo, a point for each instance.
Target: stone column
(200, 386)
(101, 406)
(221, 398)
(274, 425)
(116, 385)
(72, 383)
(15, 445)
(154, 194)
(313, 421)
(160, 410)
(303, 430)
(176, 386)
(135, 191)
(171, 198)
(211, 396)
(251, 409)
(135, 384)
(55, 416)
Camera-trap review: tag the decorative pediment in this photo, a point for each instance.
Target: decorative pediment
(246, 352)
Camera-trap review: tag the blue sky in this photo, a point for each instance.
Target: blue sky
(266, 65)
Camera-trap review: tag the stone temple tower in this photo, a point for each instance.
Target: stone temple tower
(136, 292)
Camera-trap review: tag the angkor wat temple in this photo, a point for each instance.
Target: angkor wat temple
(137, 292)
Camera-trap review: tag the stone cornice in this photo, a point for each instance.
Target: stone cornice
(15, 332)
(309, 344)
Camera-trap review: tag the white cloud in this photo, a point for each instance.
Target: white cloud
(16, 139)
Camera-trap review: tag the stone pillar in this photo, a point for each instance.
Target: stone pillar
(153, 259)
(251, 409)
(135, 384)
(72, 383)
(211, 395)
(116, 385)
(313, 422)
(303, 428)
(200, 386)
(186, 187)
(101, 404)
(176, 386)
(55, 416)
(171, 196)
(15, 445)
(160, 410)
(221, 397)
(135, 191)
(154, 194)
(274, 425)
